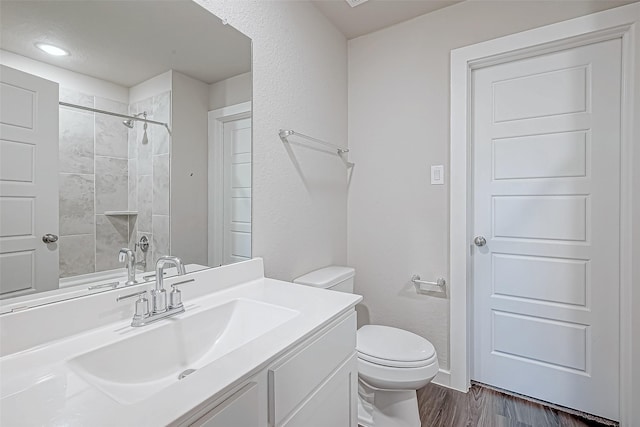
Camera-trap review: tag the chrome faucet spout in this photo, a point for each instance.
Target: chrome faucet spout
(128, 256)
(159, 295)
(160, 266)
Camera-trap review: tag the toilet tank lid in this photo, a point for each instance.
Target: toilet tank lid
(326, 277)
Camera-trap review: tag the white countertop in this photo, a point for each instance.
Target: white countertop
(39, 388)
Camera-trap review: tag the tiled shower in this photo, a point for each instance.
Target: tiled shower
(105, 166)
(149, 175)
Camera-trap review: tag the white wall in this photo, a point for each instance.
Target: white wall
(398, 128)
(148, 88)
(300, 82)
(231, 91)
(635, 238)
(67, 79)
(189, 107)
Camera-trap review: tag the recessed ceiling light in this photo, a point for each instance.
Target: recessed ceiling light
(51, 49)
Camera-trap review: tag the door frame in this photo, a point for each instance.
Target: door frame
(622, 22)
(217, 119)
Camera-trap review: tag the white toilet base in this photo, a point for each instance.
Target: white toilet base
(387, 408)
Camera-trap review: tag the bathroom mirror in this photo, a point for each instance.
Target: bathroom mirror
(145, 142)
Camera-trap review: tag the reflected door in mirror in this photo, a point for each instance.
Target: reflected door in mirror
(28, 183)
(237, 191)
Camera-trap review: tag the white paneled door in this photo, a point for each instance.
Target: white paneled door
(237, 190)
(546, 149)
(28, 183)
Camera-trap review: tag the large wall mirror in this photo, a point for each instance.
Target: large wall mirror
(136, 134)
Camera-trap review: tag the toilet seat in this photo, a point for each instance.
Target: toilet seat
(396, 363)
(394, 378)
(393, 347)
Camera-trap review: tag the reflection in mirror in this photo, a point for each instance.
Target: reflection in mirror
(136, 135)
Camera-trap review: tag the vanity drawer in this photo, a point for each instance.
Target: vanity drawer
(293, 380)
(238, 410)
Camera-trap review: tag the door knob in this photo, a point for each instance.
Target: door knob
(480, 241)
(49, 238)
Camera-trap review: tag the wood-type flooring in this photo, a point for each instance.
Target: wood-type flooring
(484, 407)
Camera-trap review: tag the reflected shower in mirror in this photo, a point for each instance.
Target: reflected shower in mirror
(137, 135)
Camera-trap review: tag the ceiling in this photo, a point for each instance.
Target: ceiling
(375, 15)
(126, 42)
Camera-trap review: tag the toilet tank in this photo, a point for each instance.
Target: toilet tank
(334, 277)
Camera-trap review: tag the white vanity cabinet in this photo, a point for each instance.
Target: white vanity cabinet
(313, 384)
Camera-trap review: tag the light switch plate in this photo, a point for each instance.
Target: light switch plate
(437, 175)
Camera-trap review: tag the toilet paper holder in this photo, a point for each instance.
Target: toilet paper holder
(440, 285)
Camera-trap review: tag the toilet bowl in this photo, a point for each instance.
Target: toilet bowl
(392, 363)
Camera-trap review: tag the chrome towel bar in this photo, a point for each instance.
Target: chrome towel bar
(440, 285)
(286, 133)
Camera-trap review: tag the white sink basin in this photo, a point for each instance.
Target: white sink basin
(135, 368)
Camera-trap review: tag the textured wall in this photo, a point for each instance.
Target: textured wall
(299, 82)
(398, 127)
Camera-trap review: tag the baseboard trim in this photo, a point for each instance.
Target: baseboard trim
(443, 378)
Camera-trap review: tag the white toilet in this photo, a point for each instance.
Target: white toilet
(392, 363)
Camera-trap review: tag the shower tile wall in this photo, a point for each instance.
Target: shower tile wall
(94, 175)
(149, 176)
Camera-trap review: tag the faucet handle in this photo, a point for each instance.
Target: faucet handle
(135, 294)
(142, 305)
(175, 297)
(173, 285)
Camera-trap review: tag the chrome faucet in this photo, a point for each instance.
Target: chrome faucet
(128, 256)
(159, 308)
(159, 295)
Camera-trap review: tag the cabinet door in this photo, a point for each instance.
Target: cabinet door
(333, 403)
(297, 376)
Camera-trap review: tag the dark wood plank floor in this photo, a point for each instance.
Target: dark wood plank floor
(483, 407)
